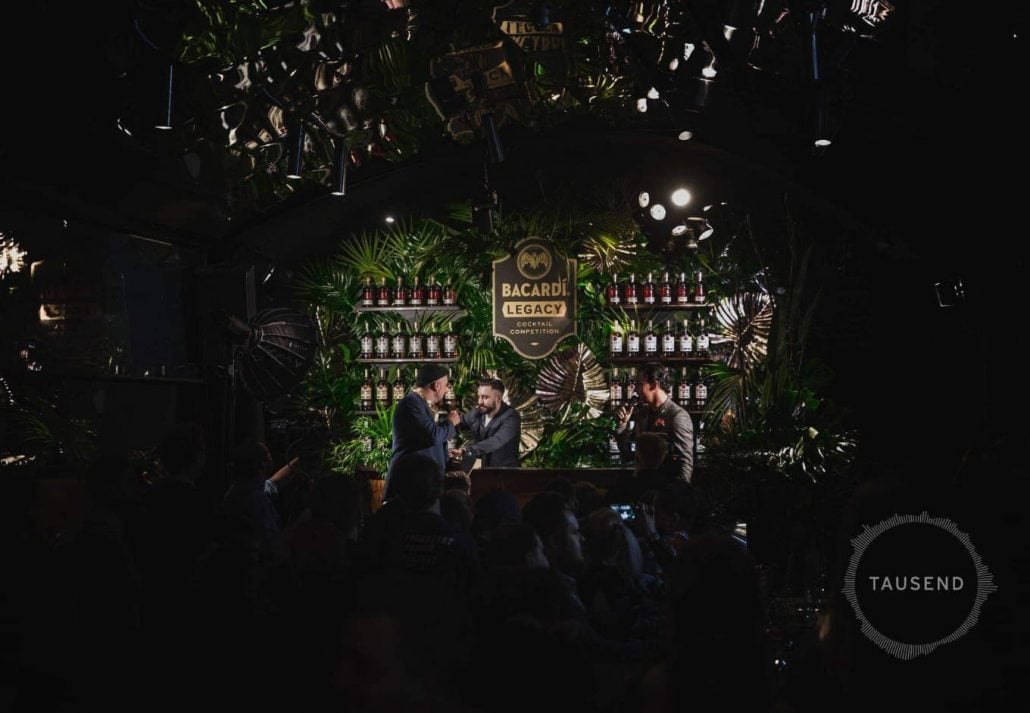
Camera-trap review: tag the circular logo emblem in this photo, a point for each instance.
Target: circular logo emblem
(915, 582)
(533, 261)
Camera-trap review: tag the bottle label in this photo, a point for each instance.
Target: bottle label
(633, 344)
(613, 296)
(616, 344)
(416, 299)
(684, 394)
(700, 393)
(415, 345)
(648, 295)
(382, 345)
(433, 299)
(449, 297)
(398, 392)
(686, 344)
(702, 342)
(650, 344)
(668, 344)
(450, 345)
(382, 393)
(631, 298)
(384, 299)
(433, 344)
(366, 392)
(398, 344)
(666, 296)
(366, 344)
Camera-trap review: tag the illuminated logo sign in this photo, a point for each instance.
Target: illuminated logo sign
(534, 295)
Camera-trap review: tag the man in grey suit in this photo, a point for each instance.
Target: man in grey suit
(657, 413)
(495, 429)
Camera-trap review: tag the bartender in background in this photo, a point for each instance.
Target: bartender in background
(495, 429)
(657, 413)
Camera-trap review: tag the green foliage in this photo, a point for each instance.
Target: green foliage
(368, 447)
(37, 427)
(577, 440)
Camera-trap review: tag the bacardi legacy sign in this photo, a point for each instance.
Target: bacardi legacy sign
(534, 298)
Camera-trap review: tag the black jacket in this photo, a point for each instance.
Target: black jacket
(497, 443)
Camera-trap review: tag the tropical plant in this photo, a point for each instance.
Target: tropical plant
(369, 446)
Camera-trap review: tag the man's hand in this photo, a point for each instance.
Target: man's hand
(456, 453)
(454, 417)
(623, 415)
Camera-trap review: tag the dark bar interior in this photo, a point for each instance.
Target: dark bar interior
(411, 355)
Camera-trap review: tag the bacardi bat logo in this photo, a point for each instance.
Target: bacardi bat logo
(533, 261)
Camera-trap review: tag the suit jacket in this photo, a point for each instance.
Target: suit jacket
(415, 430)
(496, 443)
(676, 425)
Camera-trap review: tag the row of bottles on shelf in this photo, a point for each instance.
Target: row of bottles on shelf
(432, 294)
(382, 393)
(688, 341)
(666, 292)
(416, 345)
(690, 393)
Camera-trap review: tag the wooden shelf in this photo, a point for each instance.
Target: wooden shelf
(407, 361)
(659, 309)
(667, 360)
(414, 314)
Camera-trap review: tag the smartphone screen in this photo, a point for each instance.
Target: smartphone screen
(625, 511)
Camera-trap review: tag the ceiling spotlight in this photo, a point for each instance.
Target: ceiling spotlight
(709, 71)
(688, 49)
(642, 105)
(658, 211)
(389, 219)
(823, 142)
(681, 196)
(679, 229)
(652, 93)
(340, 170)
(644, 199)
(674, 63)
(702, 228)
(686, 135)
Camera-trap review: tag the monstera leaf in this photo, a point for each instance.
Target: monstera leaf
(570, 377)
(744, 321)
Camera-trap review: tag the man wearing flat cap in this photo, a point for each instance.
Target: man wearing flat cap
(415, 429)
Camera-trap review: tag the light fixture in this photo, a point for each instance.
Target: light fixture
(686, 135)
(168, 86)
(340, 170)
(709, 72)
(680, 197)
(823, 142)
(644, 199)
(12, 257)
(679, 229)
(389, 219)
(494, 149)
(658, 211)
(642, 105)
(652, 93)
(688, 49)
(295, 159)
(674, 64)
(702, 228)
